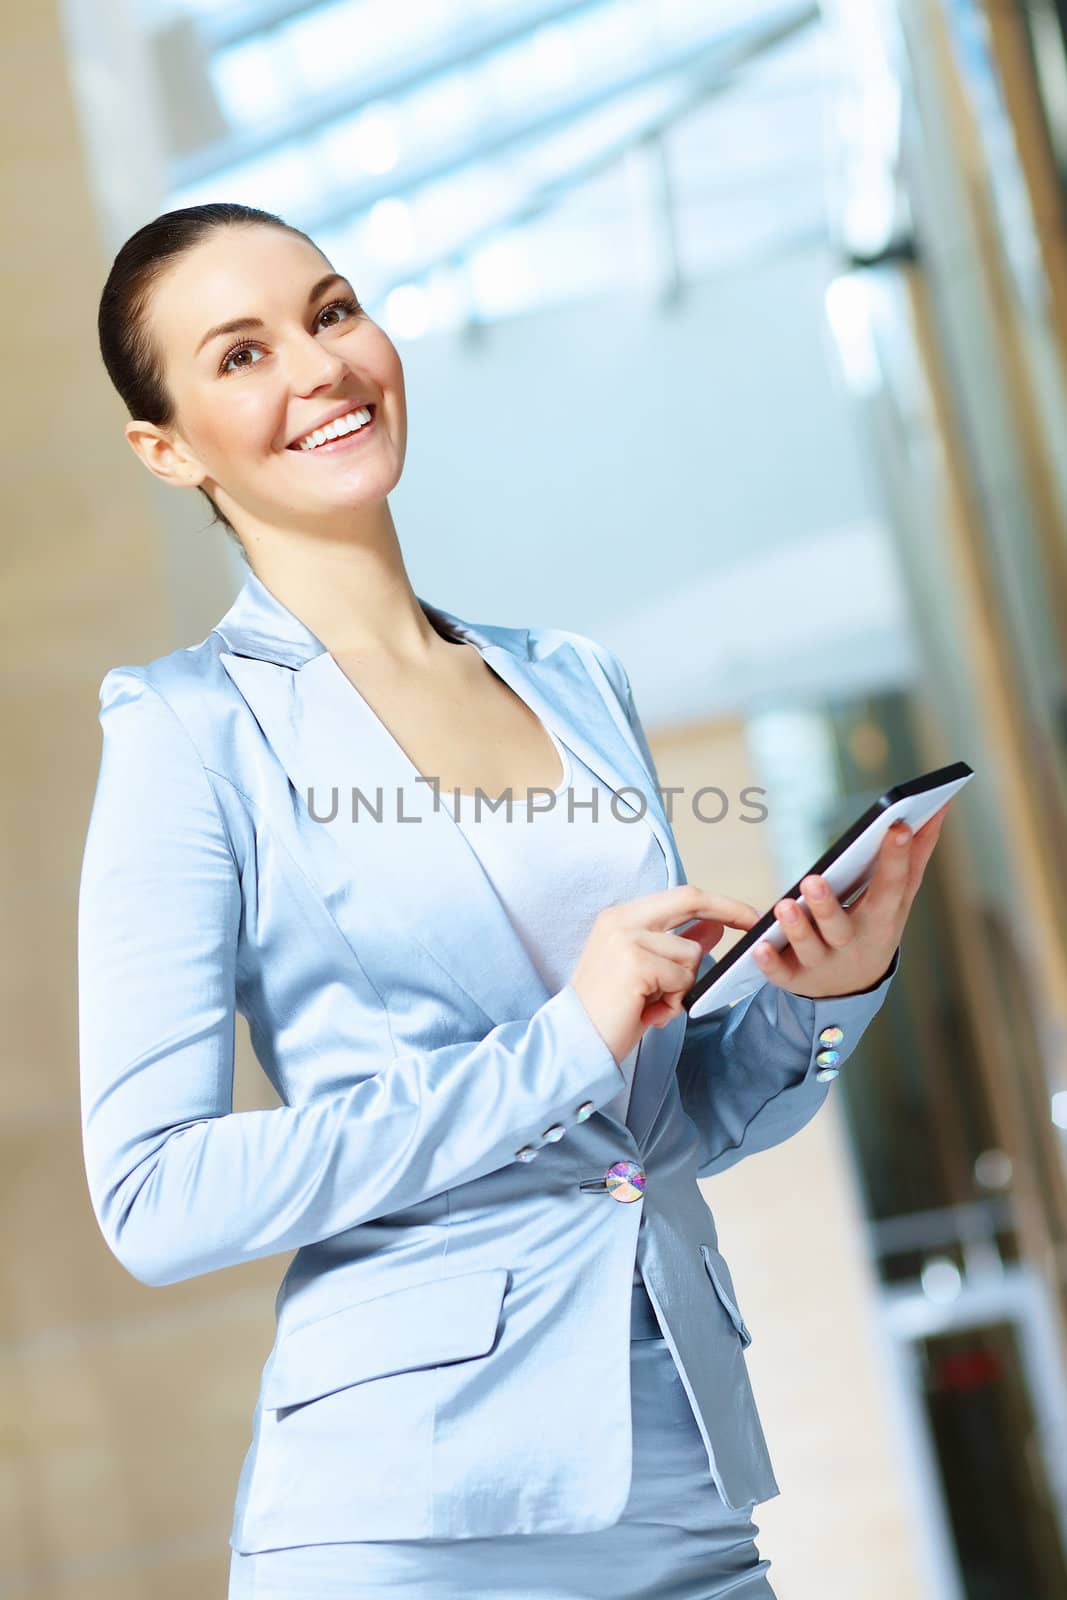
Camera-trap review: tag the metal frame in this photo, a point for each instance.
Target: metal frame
(1015, 1294)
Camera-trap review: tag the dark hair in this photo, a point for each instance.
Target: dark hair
(133, 363)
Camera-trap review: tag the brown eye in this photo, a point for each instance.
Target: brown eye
(348, 303)
(238, 350)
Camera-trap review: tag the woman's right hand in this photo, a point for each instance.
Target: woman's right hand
(633, 973)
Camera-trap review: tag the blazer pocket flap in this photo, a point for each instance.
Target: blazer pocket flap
(719, 1273)
(447, 1319)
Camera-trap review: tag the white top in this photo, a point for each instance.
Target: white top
(556, 859)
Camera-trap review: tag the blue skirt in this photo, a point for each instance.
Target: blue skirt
(675, 1539)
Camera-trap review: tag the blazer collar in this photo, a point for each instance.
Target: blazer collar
(325, 734)
(258, 624)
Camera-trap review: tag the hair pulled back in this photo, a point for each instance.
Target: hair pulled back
(133, 362)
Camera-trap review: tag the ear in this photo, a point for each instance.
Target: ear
(168, 458)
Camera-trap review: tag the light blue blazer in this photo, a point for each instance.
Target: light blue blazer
(452, 1344)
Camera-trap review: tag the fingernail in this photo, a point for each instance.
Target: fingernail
(903, 832)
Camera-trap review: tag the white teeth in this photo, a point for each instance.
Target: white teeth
(349, 423)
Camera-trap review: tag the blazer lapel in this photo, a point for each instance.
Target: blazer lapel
(559, 689)
(415, 865)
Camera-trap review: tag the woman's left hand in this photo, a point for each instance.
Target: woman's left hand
(843, 952)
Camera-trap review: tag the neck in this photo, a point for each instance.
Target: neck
(351, 590)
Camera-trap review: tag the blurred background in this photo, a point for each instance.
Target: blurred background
(751, 318)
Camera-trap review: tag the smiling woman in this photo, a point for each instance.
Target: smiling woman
(214, 412)
(508, 1318)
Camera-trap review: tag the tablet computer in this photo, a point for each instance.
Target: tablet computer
(847, 867)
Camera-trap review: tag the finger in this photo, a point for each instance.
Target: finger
(705, 933)
(685, 947)
(802, 934)
(927, 837)
(922, 848)
(672, 978)
(658, 1013)
(938, 817)
(831, 918)
(743, 916)
(777, 965)
(666, 908)
(886, 892)
(665, 1008)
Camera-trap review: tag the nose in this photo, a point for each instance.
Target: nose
(312, 366)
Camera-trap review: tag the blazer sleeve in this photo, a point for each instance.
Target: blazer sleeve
(746, 1072)
(180, 1183)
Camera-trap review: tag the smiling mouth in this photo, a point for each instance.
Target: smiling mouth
(305, 448)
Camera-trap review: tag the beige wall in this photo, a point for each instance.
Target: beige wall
(124, 1410)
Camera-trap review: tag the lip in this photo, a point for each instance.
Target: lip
(331, 416)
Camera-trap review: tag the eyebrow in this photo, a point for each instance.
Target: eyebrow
(240, 324)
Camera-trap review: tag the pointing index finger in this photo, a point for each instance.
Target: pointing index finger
(666, 908)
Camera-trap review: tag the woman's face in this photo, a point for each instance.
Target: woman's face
(243, 397)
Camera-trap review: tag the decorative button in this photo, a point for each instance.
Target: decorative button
(831, 1036)
(556, 1131)
(527, 1152)
(828, 1058)
(584, 1111)
(625, 1180)
(826, 1074)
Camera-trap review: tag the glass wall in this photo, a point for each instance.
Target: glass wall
(945, 320)
(465, 161)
